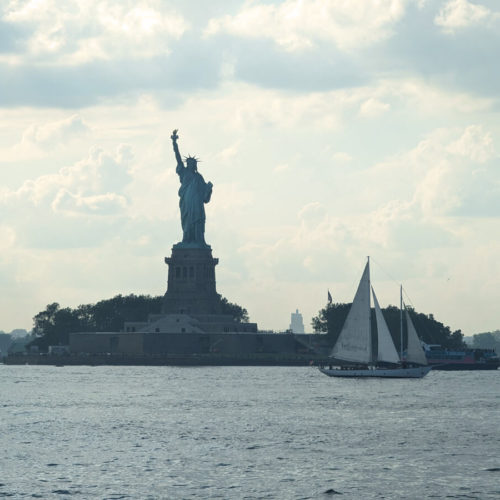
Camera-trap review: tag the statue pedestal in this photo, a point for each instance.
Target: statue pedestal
(191, 282)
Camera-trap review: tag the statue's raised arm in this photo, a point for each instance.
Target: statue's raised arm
(174, 138)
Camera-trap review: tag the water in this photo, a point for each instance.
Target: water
(246, 432)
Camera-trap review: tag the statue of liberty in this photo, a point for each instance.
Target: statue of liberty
(193, 194)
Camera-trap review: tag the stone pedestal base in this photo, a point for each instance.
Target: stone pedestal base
(191, 282)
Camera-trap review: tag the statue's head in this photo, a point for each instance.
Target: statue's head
(192, 163)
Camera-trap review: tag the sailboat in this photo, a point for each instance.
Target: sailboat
(354, 345)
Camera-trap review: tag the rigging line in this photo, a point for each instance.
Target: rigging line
(384, 271)
(396, 282)
(420, 325)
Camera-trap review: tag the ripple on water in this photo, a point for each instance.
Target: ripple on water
(223, 432)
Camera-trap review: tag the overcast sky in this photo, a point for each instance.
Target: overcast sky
(331, 130)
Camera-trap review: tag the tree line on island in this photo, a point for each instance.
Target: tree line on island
(53, 325)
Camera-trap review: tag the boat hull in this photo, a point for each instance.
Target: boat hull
(414, 372)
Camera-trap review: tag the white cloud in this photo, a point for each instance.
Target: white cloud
(424, 98)
(342, 157)
(282, 167)
(461, 14)
(89, 186)
(231, 197)
(228, 154)
(436, 193)
(452, 171)
(241, 106)
(76, 204)
(7, 237)
(311, 213)
(87, 30)
(474, 144)
(298, 25)
(54, 133)
(372, 108)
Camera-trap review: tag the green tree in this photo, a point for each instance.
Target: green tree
(53, 325)
(237, 312)
(110, 314)
(330, 320)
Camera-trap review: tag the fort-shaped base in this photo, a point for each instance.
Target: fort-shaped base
(191, 282)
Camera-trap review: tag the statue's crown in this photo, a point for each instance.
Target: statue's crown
(186, 158)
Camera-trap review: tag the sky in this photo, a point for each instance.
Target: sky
(332, 130)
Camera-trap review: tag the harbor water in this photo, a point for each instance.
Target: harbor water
(246, 432)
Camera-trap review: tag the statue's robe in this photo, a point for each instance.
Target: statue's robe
(193, 194)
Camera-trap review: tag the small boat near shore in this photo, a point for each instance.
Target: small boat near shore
(352, 354)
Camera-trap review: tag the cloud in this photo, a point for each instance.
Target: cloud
(295, 25)
(55, 133)
(342, 157)
(462, 14)
(167, 77)
(81, 32)
(242, 107)
(86, 52)
(102, 204)
(452, 172)
(227, 155)
(260, 62)
(451, 45)
(311, 213)
(282, 167)
(372, 108)
(422, 97)
(231, 197)
(474, 144)
(103, 51)
(7, 237)
(88, 187)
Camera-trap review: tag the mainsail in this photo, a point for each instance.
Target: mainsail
(415, 353)
(354, 343)
(386, 349)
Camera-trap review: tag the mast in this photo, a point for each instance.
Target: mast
(369, 313)
(401, 319)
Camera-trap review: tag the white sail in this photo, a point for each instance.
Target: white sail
(415, 353)
(386, 349)
(354, 343)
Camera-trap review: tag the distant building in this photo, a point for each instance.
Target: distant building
(297, 324)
